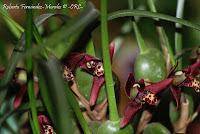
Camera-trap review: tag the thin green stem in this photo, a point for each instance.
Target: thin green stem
(142, 13)
(29, 65)
(75, 106)
(178, 35)
(113, 113)
(32, 124)
(141, 44)
(163, 39)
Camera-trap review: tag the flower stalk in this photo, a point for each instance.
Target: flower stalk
(178, 34)
(163, 37)
(107, 63)
(140, 40)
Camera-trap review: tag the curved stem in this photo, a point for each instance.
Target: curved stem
(140, 40)
(163, 34)
(113, 113)
(178, 34)
(141, 13)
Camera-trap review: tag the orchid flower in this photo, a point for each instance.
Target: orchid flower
(19, 78)
(90, 64)
(187, 77)
(145, 94)
(45, 125)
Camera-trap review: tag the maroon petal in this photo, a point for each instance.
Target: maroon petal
(158, 87)
(44, 123)
(142, 84)
(129, 84)
(129, 112)
(73, 60)
(1, 72)
(43, 120)
(192, 68)
(192, 82)
(112, 50)
(96, 86)
(19, 97)
(176, 92)
(89, 59)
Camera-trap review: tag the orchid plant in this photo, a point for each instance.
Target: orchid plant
(55, 82)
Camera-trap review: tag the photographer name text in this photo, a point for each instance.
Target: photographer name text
(40, 6)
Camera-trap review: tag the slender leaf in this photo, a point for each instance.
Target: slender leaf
(74, 104)
(29, 66)
(61, 115)
(129, 13)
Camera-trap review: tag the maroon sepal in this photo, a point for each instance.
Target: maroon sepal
(112, 50)
(73, 60)
(176, 92)
(96, 86)
(158, 87)
(131, 109)
(45, 125)
(192, 68)
(129, 84)
(19, 97)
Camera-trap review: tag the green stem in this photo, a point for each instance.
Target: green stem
(113, 113)
(29, 65)
(162, 32)
(178, 35)
(129, 13)
(141, 44)
(75, 106)
(32, 124)
(90, 48)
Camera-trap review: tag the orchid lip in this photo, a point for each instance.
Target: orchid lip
(178, 73)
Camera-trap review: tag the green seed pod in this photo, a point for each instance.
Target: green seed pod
(150, 65)
(110, 127)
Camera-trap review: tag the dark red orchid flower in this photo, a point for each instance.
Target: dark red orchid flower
(45, 125)
(19, 79)
(90, 64)
(187, 77)
(145, 94)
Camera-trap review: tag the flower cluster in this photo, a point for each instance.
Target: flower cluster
(90, 64)
(145, 94)
(188, 77)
